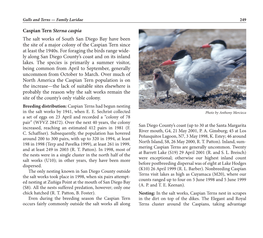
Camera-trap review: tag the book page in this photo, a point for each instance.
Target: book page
(138, 122)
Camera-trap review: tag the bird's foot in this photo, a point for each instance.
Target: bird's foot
(155, 102)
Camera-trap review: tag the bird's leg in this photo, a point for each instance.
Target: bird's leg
(167, 94)
(195, 98)
(203, 97)
(155, 101)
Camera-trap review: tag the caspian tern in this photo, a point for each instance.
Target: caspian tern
(221, 53)
(157, 42)
(161, 82)
(196, 77)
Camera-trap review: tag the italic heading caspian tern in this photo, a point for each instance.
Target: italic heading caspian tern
(149, 43)
(196, 77)
(221, 53)
(161, 82)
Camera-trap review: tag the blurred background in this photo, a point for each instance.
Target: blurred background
(198, 37)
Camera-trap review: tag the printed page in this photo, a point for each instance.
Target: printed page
(126, 124)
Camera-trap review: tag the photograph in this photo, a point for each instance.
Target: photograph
(192, 69)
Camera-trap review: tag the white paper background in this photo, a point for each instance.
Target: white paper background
(18, 221)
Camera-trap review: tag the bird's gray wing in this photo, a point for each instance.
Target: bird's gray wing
(154, 41)
(178, 32)
(205, 74)
(230, 54)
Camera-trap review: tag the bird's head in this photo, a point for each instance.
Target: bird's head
(179, 57)
(215, 43)
(157, 73)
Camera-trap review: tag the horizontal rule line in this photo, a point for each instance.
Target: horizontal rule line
(130, 22)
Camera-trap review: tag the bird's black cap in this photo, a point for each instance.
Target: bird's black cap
(218, 42)
(180, 54)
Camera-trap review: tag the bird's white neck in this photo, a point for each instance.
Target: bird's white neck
(216, 48)
(142, 35)
(185, 62)
(182, 66)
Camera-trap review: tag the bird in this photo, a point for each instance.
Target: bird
(221, 53)
(196, 77)
(149, 43)
(161, 82)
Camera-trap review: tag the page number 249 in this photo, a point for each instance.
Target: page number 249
(243, 19)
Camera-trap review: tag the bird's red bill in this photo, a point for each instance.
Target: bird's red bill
(168, 62)
(206, 46)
